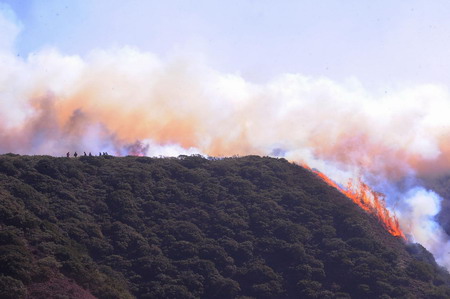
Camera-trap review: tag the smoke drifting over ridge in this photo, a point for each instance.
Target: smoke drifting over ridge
(115, 98)
(52, 103)
(125, 101)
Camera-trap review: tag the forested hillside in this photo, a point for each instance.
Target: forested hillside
(191, 227)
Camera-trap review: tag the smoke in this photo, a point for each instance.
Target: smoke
(417, 217)
(132, 96)
(126, 101)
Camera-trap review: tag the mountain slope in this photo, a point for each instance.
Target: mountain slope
(190, 227)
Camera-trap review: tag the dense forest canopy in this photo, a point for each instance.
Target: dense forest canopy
(192, 227)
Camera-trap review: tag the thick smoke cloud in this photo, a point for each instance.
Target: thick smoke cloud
(125, 101)
(128, 95)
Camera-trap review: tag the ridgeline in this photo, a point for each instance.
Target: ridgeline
(190, 227)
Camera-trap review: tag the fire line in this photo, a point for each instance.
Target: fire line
(369, 200)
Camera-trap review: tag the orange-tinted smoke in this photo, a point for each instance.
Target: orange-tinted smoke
(130, 96)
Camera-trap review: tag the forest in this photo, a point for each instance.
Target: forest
(195, 227)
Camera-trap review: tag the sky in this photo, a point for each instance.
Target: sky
(383, 44)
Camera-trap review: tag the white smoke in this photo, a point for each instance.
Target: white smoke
(418, 218)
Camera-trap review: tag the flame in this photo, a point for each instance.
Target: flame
(369, 200)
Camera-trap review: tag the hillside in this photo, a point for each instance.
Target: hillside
(191, 227)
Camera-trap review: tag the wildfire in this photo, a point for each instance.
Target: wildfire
(369, 200)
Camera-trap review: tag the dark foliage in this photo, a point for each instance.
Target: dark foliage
(191, 227)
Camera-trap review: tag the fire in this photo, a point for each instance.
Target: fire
(369, 200)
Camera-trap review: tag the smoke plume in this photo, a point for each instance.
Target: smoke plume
(124, 101)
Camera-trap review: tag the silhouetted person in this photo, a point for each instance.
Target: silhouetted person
(90, 155)
(75, 154)
(68, 154)
(99, 154)
(85, 154)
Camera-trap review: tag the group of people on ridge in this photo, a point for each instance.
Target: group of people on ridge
(90, 155)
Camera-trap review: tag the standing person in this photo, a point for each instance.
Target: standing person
(75, 154)
(68, 154)
(85, 154)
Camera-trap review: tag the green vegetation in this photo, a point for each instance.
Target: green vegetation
(191, 227)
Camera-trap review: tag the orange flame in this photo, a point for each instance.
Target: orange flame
(369, 200)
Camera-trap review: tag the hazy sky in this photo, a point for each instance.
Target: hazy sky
(381, 43)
